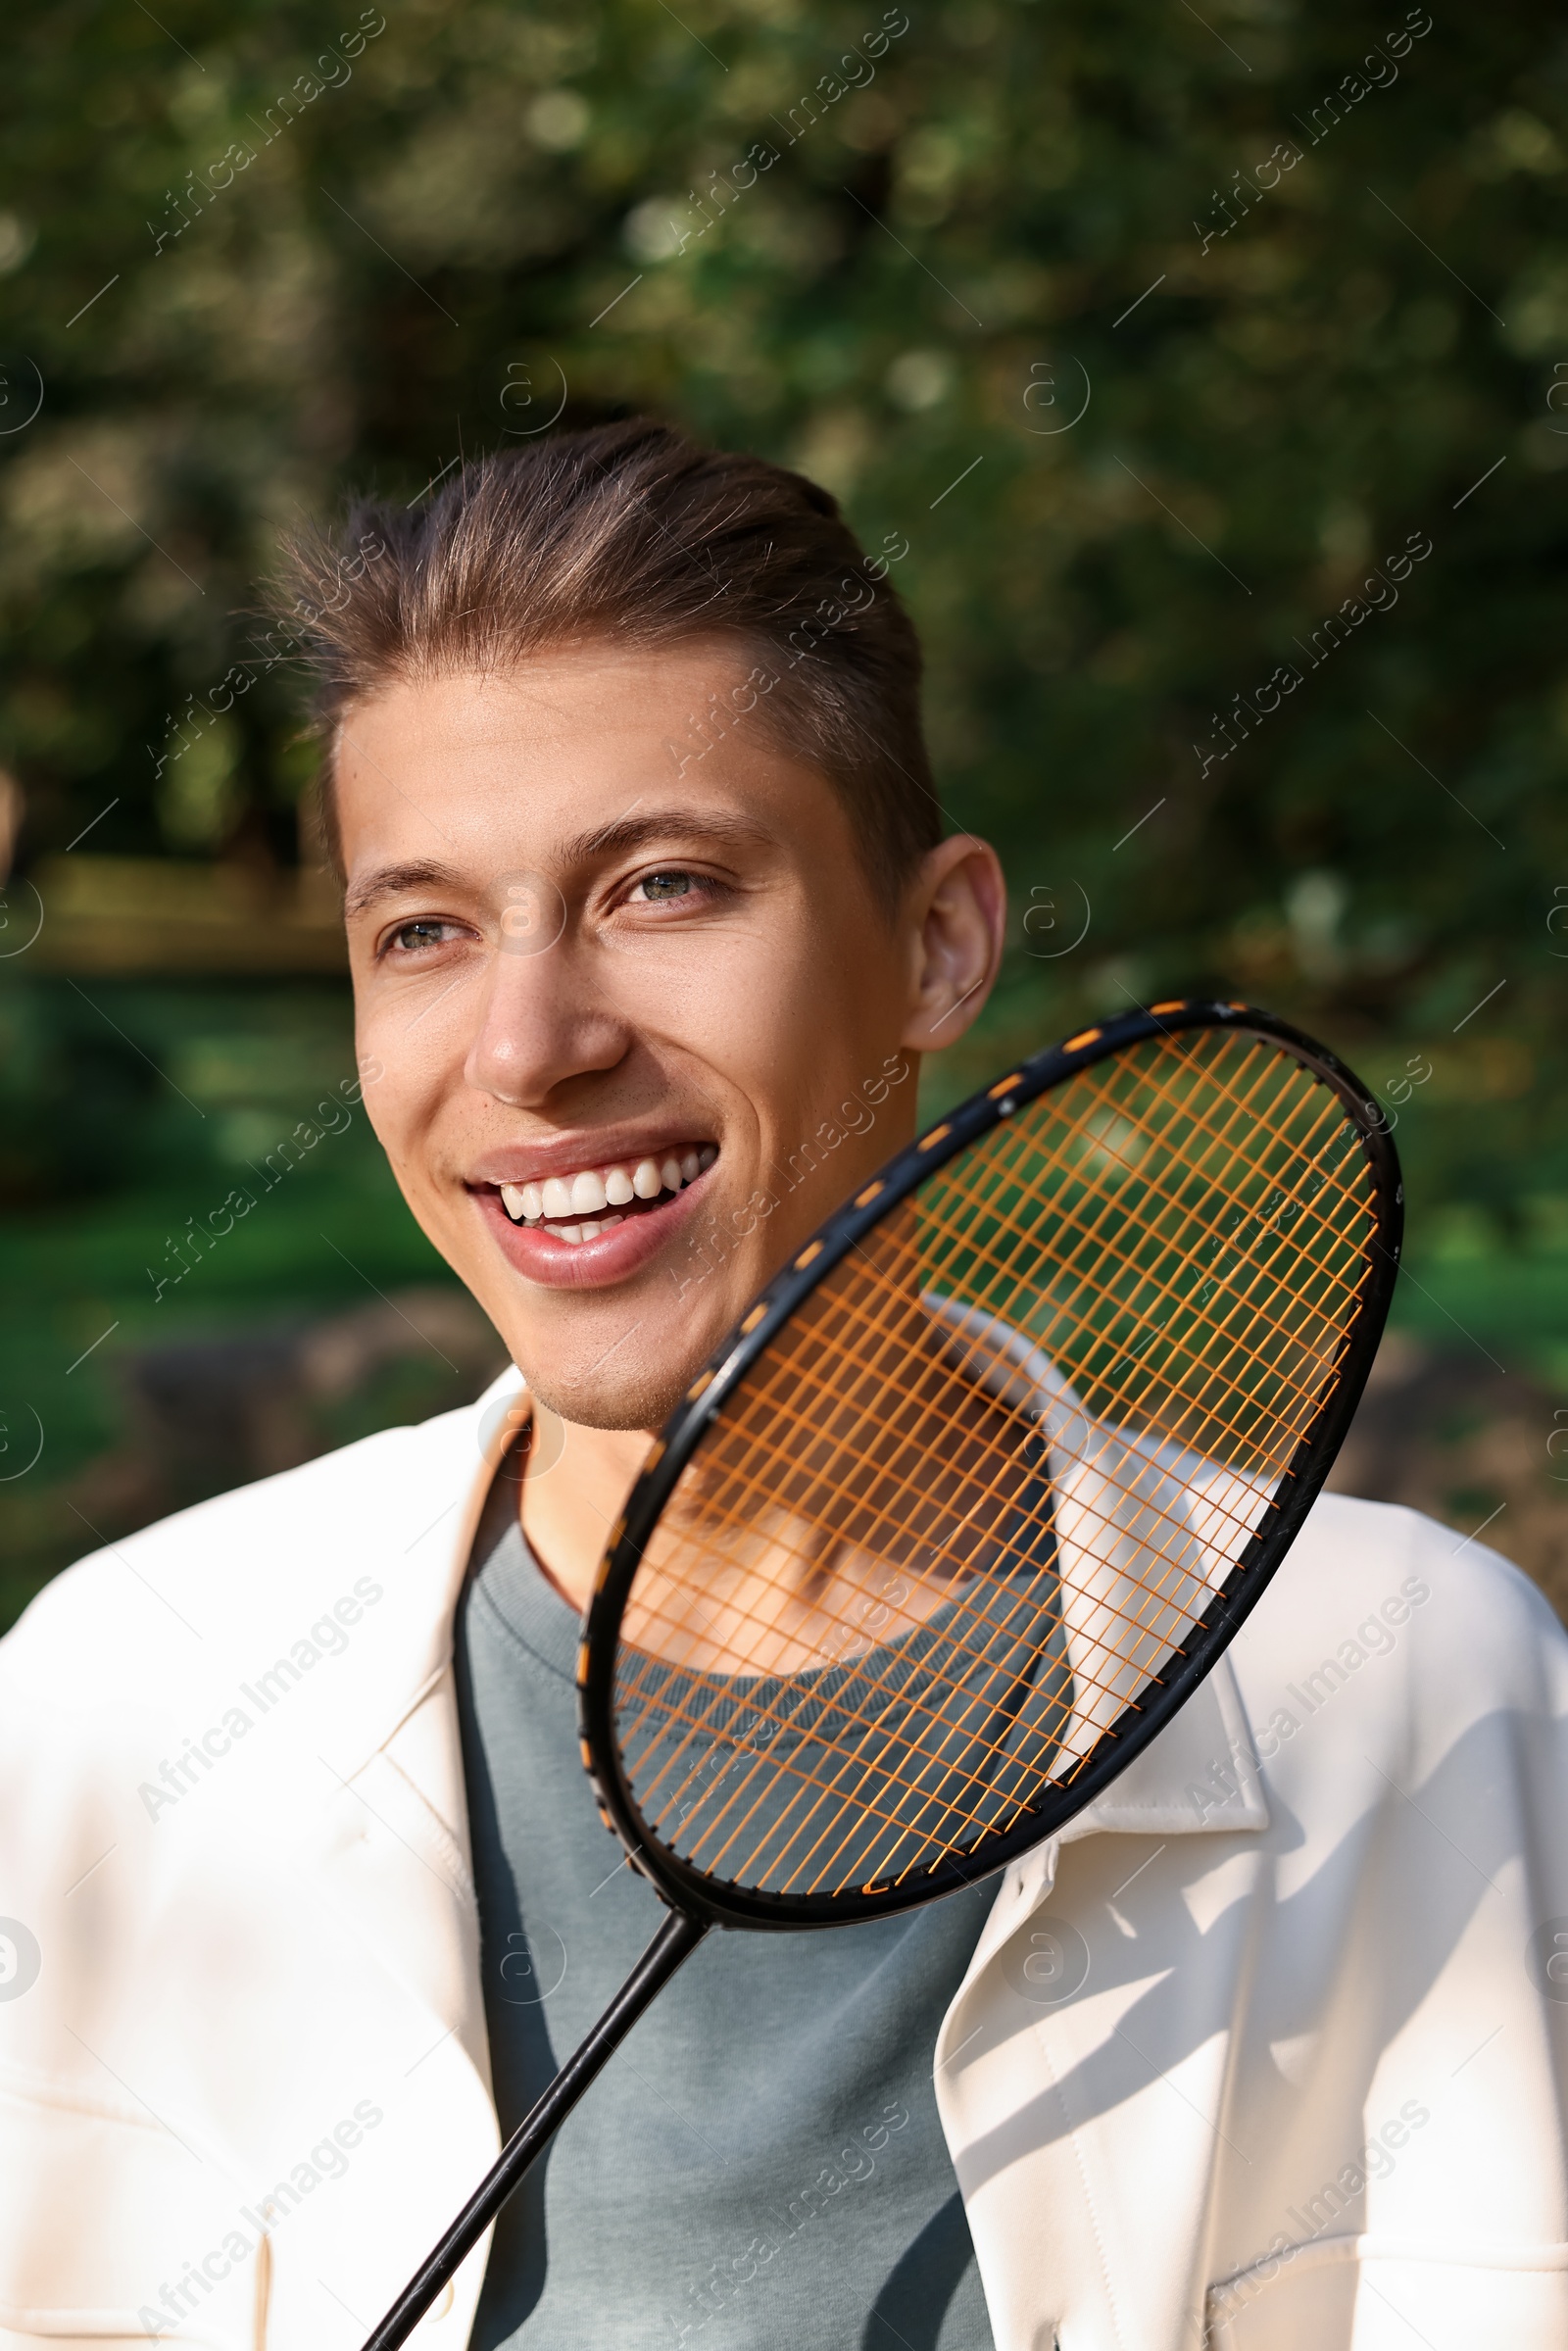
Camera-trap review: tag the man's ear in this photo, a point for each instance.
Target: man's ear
(956, 914)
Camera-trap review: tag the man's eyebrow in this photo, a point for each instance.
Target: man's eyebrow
(622, 835)
(633, 832)
(391, 881)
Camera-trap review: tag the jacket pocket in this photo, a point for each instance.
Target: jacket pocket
(114, 2231)
(1382, 2293)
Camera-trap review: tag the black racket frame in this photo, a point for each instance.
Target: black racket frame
(717, 1903)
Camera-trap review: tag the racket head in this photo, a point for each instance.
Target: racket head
(654, 1716)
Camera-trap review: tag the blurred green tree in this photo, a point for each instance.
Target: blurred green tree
(1160, 338)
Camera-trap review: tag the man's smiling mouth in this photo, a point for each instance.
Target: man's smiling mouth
(584, 1202)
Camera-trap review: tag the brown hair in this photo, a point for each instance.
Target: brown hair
(634, 533)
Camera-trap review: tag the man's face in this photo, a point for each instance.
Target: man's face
(653, 1013)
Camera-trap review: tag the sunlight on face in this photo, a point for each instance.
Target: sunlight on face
(640, 1027)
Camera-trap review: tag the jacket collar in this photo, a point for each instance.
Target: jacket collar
(1200, 1773)
(1116, 1493)
(391, 1839)
(443, 1499)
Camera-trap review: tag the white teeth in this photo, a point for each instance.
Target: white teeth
(591, 1189)
(588, 1231)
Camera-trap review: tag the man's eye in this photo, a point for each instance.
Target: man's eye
(665, 885)
(410, 937)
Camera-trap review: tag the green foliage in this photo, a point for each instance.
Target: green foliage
(131, 1117)
(487, 212)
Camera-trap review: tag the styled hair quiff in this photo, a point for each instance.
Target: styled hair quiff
(634, 533)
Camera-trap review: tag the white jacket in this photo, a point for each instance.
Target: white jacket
(1265, 2052)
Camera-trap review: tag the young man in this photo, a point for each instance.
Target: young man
(650, 919)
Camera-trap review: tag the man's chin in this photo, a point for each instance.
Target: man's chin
(604, 1372)
(634, 1400)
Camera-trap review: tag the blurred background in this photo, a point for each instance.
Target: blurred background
(1204, 379)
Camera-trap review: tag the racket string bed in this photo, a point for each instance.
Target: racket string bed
(1237, 1385)
(1088, 1236)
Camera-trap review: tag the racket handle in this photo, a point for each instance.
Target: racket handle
(677, 1940)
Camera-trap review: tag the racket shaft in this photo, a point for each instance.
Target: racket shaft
(675, 1941)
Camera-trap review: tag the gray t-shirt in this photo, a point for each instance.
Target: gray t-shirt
(760, 2166)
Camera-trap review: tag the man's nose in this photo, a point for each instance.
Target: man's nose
(540, 1022)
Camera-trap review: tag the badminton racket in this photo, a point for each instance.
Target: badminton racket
(976, 1493)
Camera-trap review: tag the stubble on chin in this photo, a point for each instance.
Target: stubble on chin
(636, 1379)
(640, 1397)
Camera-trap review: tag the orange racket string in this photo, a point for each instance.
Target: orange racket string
(1090, 1239)
(1220, 1335)
(1028, 1782)
(808, 1779)
(716, 1687)
(1036, 1774)
(1109, 1441)
(960, 1691)
(695, 1726)
(1184, 1569)
(1304, 1149)
(725, 1515)
(983, 1618)
(999, 1360)
(1190, 1051)
(706, 1725)
(722, 1690)
(1151, 1081)
(928, 1798)
(726, 1518)
(1109, 1216)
